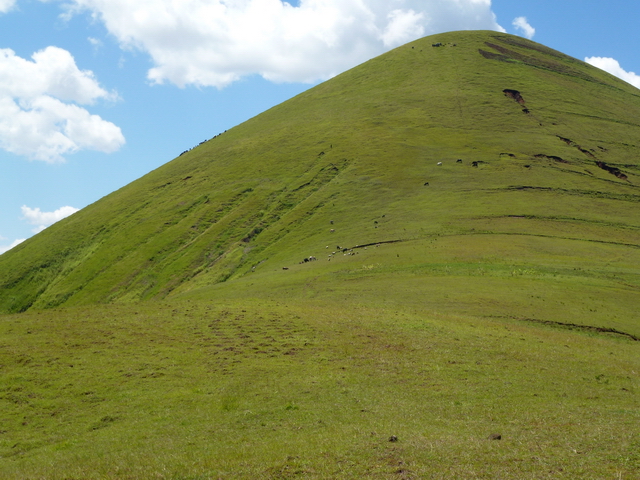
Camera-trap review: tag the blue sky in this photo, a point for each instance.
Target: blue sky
(96, 93)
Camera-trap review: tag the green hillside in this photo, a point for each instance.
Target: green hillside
(470, 203)
(557, 185)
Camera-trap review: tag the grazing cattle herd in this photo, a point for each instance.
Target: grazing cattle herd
(204, 141)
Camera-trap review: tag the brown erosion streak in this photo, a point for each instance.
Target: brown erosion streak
(590, 328)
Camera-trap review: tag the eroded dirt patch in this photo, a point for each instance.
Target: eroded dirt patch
(612, 170)
(514, 94)
(571, 143)
(587, 328)
(585, 151)
(547, 60)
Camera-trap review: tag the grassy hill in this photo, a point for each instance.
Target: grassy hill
(473, 209)
(358, 150)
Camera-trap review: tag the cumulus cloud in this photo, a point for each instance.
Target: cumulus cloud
(6, 248)
(39, 113)
(6, 5)
(42, 220)
(403, 26)
(612, 66)
(216, 42)
(522, 24)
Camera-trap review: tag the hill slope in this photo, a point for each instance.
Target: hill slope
(532, 213)
(491, 298)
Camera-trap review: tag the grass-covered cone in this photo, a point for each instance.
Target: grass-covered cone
(440, 247)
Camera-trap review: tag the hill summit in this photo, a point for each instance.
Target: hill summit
(478, 163)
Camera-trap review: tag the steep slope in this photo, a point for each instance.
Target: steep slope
(487, 165)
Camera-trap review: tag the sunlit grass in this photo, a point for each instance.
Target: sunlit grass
(273, 390)
(358, 151)
(173, 329)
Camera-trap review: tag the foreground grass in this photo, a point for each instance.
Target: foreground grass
(264, 389)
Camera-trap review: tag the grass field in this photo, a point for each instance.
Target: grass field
(305, 390)
(472, 211)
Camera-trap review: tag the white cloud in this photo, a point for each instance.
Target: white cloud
(216, 42)
(612, 66)
(403, 26)
(39, 115)
(6, 5)
(40, 220)
(5, 248)
(43, 219)
(522, 24)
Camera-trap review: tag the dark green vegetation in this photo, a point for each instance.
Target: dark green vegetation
(498, 292)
